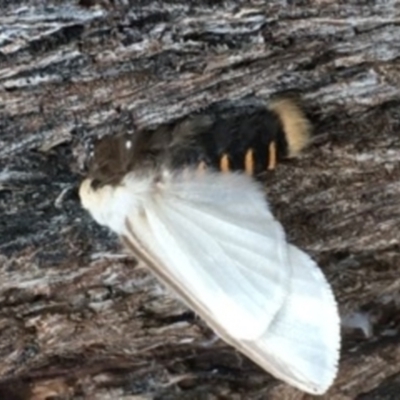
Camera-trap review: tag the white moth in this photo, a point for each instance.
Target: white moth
(212, 239)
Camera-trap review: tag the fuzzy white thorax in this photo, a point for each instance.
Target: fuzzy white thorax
(109, 205)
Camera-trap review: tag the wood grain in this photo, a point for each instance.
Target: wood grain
(78, 318)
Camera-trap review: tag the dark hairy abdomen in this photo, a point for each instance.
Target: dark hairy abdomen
(227, 140)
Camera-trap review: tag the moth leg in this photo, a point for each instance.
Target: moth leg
(224, 165)
(249, 162)
(272, 156)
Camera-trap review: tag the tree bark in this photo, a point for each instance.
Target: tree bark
(81, 320)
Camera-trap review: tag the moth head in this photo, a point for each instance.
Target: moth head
(110, 159)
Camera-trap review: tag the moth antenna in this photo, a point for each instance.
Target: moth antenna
(296, 126)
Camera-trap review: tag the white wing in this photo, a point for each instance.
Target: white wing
(212, 239)
(302, 344)
(208, 250)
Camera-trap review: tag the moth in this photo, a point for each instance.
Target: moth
(186, 200)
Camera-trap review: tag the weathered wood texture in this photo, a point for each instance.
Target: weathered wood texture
(77, 318)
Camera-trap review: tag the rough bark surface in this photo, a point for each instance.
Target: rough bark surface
(79, 319)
